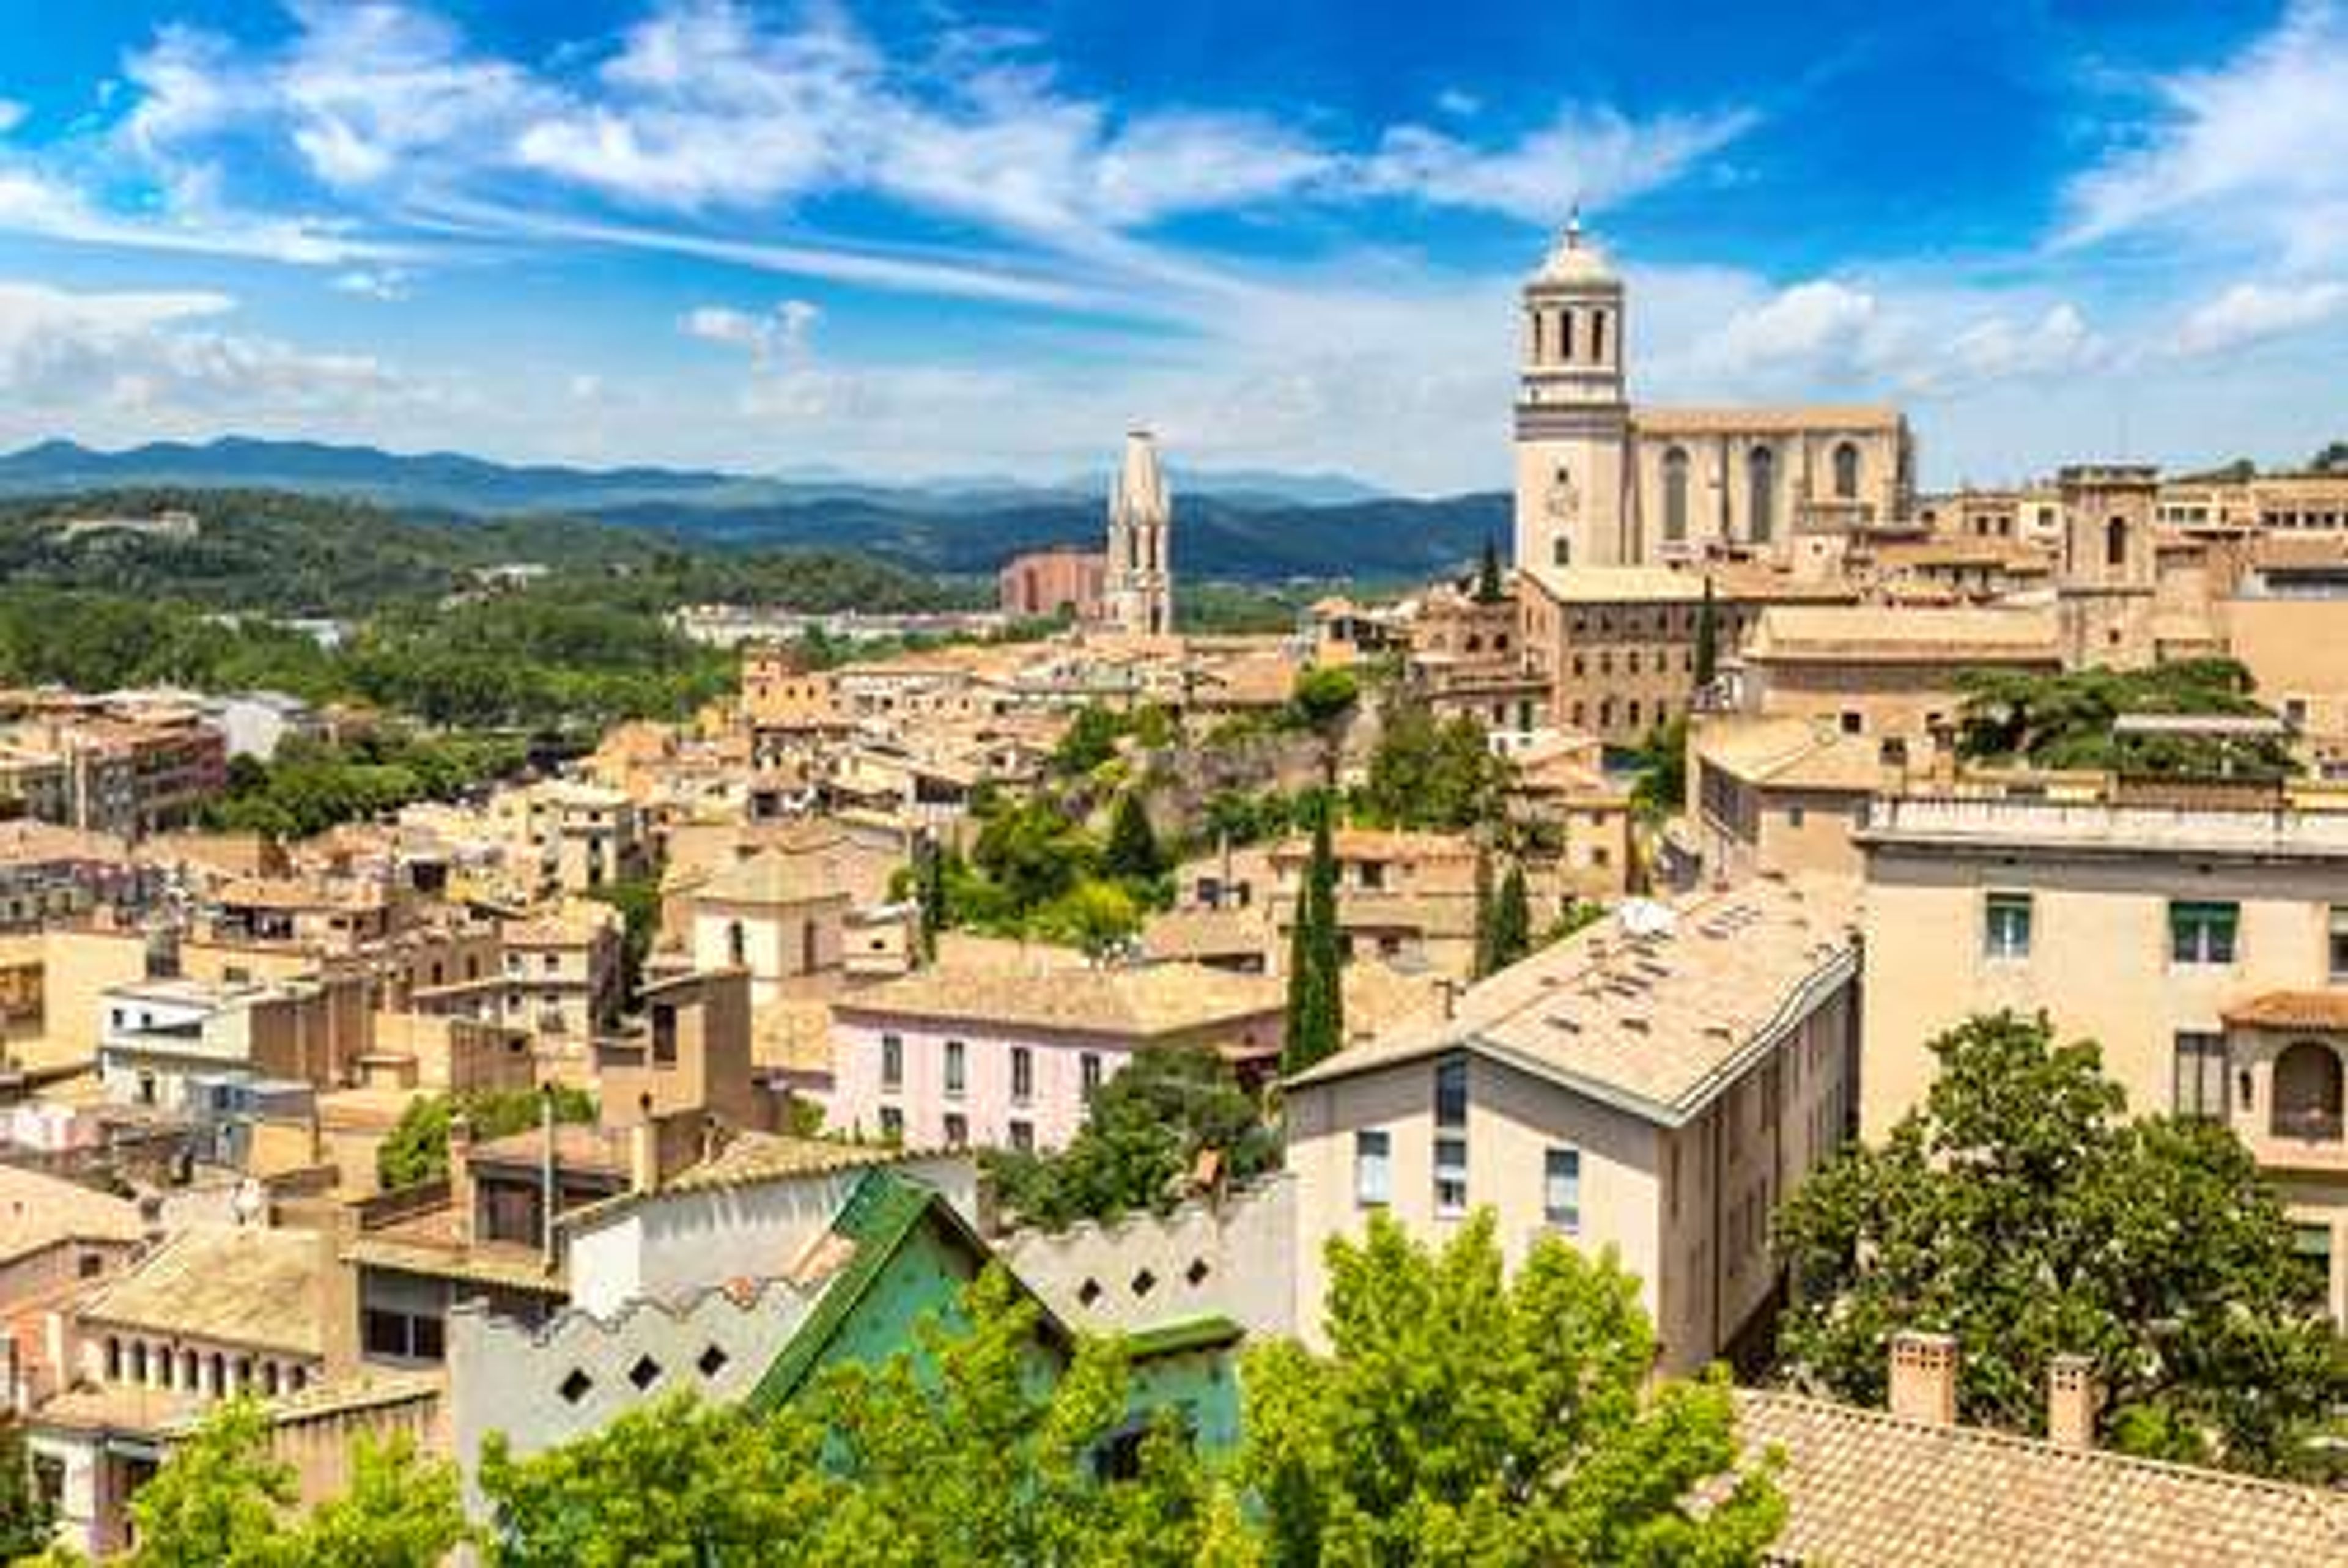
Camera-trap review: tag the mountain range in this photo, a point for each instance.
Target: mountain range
(1235, 525)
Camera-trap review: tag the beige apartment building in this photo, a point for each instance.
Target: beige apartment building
(1781, 794)
(2313, 501)
(1618, 643)
(1887, 673)
(574, 837)
(2204, 947)
(1654, 1084)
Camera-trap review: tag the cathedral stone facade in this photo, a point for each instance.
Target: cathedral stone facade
(1602, 483)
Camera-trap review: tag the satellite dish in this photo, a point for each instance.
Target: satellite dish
(1645, 917)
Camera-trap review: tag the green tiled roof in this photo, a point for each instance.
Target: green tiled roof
(878, 1216)
(1171, 1338)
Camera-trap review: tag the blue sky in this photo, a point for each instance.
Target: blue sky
(928, 237)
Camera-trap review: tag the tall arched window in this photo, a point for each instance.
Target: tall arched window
(1565, 335)
(1845, 472)
(1598, 337)
(2115, 542)
(1761, 494)
(737, 946)
(1675, 494)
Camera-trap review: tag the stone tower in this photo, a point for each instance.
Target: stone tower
(1139, 596)
(2105, 591)
(1573, 422)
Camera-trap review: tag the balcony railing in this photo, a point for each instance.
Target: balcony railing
(2309, 1124)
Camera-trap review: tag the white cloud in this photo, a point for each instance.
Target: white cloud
(144, 362)
(1458, 103)
(1596, 156)
(2249, 151)
(12, 115)
(1813, 328)
(772, 339)
(2251, 313)
(388, 284)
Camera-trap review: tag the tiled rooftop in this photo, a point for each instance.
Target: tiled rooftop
(1869, 1489)
(1650, 1021)
(1140, 1003)
(246, 1284)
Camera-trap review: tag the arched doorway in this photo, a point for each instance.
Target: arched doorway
(2307, 1091)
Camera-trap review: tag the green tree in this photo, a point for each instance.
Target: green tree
(26, 1520)
(1707, 640)
(2067, 720)
(1142, 1136)
(638, 900)
(1089, 740)
(1431, 774)
(1316, 1005)
(1482, 963)
(1462, 1416)
(223, 1501)
(1132, 853)
(1490, 588)
(929, 878)
(417, 1147)
(2021, 1210)
(1512, 921)
(972, 1450)
(1661, 788)
(1322, 700)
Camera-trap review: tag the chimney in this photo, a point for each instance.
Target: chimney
(1924, 1377)
(2071, 1398)
(460, 1176)
(643, 1148)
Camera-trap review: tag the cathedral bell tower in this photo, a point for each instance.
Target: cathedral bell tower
(1573, 420)
(1137, 596)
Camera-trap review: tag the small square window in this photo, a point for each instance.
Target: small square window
(2203, 933)
(1450, 1176)
(644, 1373)
(712, 1361)
(576, 1387)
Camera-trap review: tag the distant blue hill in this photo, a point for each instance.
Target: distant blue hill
(1249, 525)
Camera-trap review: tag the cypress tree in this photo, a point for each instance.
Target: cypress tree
(1487, 574)
(1316, 1005)
(1132, 850)
(1707, 640)
(930, 892)
(1512, 921)
(1482, 963)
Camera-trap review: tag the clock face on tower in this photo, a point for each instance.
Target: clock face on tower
(1564, 501)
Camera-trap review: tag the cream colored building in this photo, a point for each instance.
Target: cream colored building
(1653, 1085)
(1601, 483)
(1137, 591)
(2205, 949)
(1889, 674)
(1779, 795)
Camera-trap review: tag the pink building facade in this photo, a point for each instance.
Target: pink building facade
(949, 1083)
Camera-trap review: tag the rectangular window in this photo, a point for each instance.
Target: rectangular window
(1023, 1075)
(1561, 1189)
(1088, 1068)
(2200, 1076)
(1372, 1169)
(664, 1035)
(1451, 1092)
(2337, 943)
(957, 1068)
(892, 1061)
(957, 1130)
(1023, 1137)
(2005, 926)
(1450, 1177)
(2203, 933)
(893, 1125)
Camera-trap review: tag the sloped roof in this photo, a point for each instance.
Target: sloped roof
(246, 1285)
(39, 1211)
(1652, 1023)
(1140, 1003)
(1869, 1489)
(1908, 633)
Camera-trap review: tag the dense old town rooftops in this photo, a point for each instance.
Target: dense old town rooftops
(1652, 1013)
(1870, 1490)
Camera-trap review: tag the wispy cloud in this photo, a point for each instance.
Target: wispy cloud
(2251, 313)
(2246, 153)
(1595, 157)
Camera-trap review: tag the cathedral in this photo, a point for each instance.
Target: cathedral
(1602, 483)
(1138, 592)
